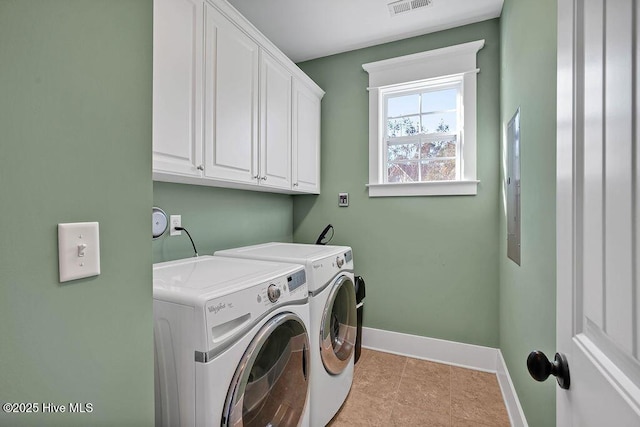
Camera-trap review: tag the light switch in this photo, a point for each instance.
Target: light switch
(343, 199)
(78, 250)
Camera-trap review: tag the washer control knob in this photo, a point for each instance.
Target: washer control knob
(273, 292)
(340, 262)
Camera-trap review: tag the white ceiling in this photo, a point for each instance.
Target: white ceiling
(307, 29)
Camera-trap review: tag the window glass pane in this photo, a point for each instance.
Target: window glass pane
(440, 100)
(439, 170)
(445, 148)
(402, 172)
(440, 122)
(403, 105)
(402, 152)
(404, 126)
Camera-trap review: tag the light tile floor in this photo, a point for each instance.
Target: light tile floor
(392, 390)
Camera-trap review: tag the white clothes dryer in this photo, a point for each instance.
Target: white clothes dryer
(231, 343)
(332, 306)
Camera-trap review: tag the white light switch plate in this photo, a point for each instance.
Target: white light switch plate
(78, 250)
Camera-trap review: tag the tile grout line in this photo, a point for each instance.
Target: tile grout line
(397, 391)
(396, 400)
(450, 396)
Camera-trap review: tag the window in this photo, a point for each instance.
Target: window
(421, 140)
(422, 123)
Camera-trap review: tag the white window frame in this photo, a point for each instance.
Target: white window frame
(411, 72)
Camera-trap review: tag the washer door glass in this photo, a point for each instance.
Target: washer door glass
(338, 327)
(270, 385)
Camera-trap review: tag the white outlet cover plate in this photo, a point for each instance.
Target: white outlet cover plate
(78, 250)
(175, 221)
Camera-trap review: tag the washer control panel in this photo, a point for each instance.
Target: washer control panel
(296, 280)
(273, 292)
(234, 312)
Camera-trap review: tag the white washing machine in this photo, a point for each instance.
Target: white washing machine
(332, 305)
(231, 343)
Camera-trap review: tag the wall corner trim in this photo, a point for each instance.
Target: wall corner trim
(470, 356)
(516, 415)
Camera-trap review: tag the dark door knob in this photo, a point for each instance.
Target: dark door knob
(540, 368)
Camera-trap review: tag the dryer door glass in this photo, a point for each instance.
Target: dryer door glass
(338, 327)
(271, 382)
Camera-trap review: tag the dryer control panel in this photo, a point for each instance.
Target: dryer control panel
(325, 269)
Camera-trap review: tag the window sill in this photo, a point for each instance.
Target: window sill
(434, 188)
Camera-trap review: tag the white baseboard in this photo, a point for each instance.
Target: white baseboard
(511, 401)
(470, 356)
(452, 353)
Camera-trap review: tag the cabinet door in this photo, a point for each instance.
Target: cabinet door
(275, 123)
(177, 69)
(231, 100)
(306, 140)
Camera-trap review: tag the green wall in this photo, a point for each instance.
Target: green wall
(75, 145)
(220, 218)
(528, 292)
(430, 263)
(75, 120)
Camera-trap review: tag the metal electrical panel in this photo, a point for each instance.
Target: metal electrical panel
(513, 188)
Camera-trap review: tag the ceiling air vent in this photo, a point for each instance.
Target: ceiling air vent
(403, 6)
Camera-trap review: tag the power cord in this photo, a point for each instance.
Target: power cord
(323, 235)
(192, 244)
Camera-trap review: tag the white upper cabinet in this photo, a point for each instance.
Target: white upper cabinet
(231, 100)
(306, 139)
(229, 109)
(275, 123)
(177, 95)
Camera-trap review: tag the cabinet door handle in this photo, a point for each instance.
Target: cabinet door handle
(200, 167)
(255, 177)
(295, 184)
(264, 178)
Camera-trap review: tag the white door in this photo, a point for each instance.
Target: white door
(306, 139)
(231, 100)
(598, 212)
(275, 123)
(177, 100)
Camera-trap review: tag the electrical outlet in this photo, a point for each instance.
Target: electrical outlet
(343, 199)
(175, 221)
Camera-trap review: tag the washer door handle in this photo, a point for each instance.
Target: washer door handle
(305, 353)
